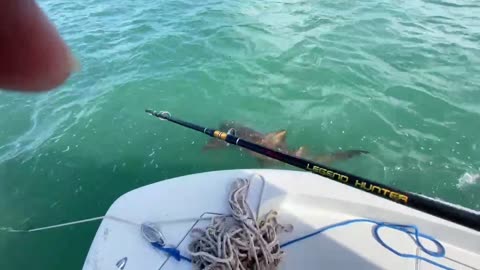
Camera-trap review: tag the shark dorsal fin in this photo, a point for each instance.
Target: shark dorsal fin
(277, 137)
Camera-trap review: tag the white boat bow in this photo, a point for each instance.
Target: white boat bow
(305, 200)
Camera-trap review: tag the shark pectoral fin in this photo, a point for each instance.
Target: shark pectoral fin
(339, 156)
(214, 144)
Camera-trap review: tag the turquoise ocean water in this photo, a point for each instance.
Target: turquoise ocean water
(400, 79)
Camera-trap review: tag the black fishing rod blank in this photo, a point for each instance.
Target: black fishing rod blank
(422, 203)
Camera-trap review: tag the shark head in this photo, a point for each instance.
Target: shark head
(238, 130)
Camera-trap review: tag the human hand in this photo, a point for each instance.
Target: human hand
(33, 56)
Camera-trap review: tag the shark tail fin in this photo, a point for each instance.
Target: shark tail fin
(339, 156)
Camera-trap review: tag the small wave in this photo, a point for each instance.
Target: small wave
(468, 179)
(451, 4)
(10, 230)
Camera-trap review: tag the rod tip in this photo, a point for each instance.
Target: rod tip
(164, 115)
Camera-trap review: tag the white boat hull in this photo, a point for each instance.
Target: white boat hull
(305, 200)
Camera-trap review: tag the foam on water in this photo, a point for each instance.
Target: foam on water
(468, 179)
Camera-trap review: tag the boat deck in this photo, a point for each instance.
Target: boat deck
(305, 200)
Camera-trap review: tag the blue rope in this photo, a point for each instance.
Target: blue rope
(175, 253)
(410, 229)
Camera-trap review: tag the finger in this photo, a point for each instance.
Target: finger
(33, 57)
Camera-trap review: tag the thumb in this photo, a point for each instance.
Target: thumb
(33, 57)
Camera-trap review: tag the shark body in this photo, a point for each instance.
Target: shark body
(276, 141)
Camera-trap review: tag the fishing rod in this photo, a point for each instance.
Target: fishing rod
(419, 202)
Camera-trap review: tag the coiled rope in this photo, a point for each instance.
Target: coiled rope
(240, 242)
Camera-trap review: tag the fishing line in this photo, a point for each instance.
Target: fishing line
(88, 220)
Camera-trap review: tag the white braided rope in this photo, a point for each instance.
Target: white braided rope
(238, 242)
